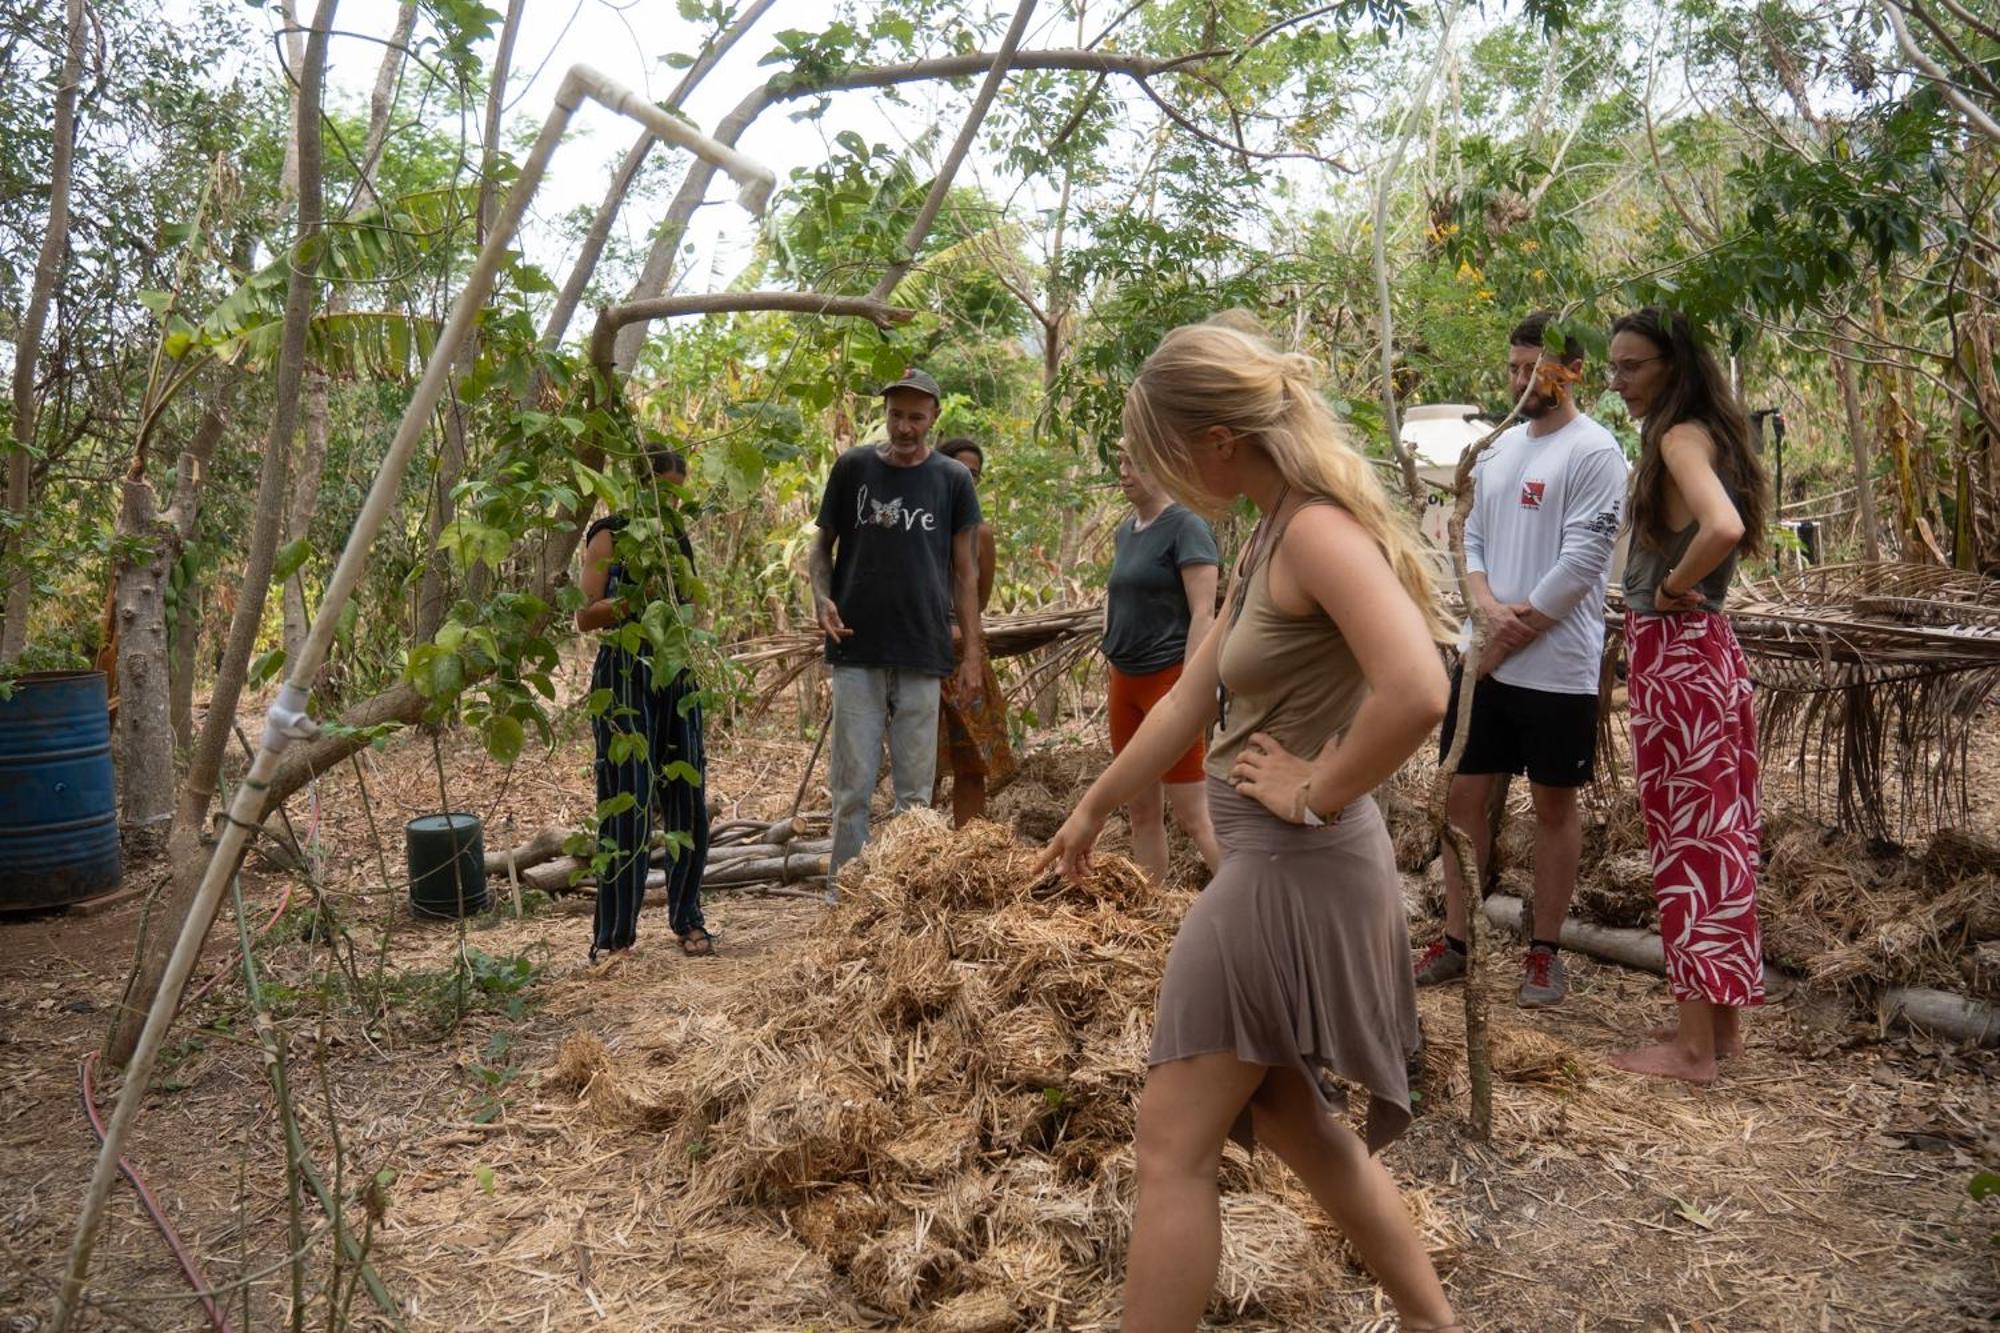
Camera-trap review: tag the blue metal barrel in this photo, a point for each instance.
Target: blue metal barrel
(58, 804)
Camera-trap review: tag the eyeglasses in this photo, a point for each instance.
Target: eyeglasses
(1625, 370)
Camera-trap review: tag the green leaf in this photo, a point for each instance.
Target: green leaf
(681, 771)
(504, 738)
(1984, 1185)
(291, 559)
(484, 1175)
(447, 675)
(616, 805)
(266, 666)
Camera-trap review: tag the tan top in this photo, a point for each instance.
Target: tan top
(1293, 677)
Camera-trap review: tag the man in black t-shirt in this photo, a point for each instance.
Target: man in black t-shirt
(895, 554)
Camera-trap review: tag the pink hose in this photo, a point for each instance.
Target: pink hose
(202, 1289)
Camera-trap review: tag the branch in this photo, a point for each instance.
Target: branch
(1938, 30)
(496, 95)
(1939, 76)
(615, 317)
(920, 226)
(1331, 163)
(1278, 27)
(1971, 20)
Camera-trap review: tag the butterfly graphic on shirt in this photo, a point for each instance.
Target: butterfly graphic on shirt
(1532, 492)
(891, 514)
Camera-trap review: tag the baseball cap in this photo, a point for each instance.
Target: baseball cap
(917, 380)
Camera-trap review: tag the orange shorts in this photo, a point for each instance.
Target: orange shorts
(1131, 698)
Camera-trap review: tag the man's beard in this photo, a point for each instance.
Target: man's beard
(1534, 407)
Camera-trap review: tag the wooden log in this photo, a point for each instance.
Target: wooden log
(780, 869)
(785, 866)
(544, 846)
(1956, 1016)
(553, 876)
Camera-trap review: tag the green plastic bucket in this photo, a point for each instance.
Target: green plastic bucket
(447, 860)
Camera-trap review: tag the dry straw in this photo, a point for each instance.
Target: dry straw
(939, 1103)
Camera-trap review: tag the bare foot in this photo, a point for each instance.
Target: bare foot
(1666, 1060)
(1725, 1047)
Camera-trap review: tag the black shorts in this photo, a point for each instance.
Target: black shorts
(1550, 737)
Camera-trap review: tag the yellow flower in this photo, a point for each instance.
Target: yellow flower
(1530, 245)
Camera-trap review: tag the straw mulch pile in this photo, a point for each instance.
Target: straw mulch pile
(1854, 914)
(1045, 788)
(940, 1103)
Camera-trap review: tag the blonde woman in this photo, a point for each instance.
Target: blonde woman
(1321, 676)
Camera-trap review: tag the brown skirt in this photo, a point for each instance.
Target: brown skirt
(1296, 956)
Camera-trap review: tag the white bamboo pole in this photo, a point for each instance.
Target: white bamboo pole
(287, 719)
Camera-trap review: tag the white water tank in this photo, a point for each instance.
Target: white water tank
(1438, 433)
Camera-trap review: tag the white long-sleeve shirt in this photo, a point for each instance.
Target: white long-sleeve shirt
(1542, 529)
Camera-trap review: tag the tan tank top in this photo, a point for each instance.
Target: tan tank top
(1293, 677)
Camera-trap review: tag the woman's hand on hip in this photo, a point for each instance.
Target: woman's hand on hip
(1273, 776)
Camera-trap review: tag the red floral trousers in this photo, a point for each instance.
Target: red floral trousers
(1694, 746)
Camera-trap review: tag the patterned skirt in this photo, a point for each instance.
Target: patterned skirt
(1694, 746)
(972, 733)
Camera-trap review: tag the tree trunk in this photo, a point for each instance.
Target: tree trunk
(305, 500)
(198, 790)
(382, 101)
(433, 590)
(496, 100)
(145, 740)
(311, 471)
(1859, 449)
(187, 616)
(27, 344)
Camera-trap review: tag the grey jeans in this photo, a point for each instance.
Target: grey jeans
(867, 702)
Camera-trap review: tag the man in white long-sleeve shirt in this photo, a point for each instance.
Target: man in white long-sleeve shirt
(1538, 543)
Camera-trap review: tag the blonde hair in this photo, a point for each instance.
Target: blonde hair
(1227, 372)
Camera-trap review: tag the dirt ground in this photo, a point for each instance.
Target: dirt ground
(1821, 1183)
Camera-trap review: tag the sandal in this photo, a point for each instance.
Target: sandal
(698, 943)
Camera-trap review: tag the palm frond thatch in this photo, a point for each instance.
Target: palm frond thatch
(1873, 674)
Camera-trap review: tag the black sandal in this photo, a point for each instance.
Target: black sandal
(698, 943)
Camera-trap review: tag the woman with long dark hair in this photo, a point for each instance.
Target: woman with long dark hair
(1700, 499)
(1322, 676)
